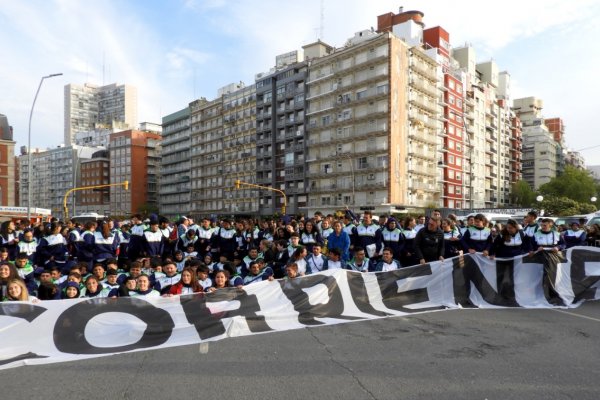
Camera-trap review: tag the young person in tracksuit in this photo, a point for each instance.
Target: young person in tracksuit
(224, 240)
(477, 238)
(511, 242)
(136, 239)
(106, 243)
(549, 242)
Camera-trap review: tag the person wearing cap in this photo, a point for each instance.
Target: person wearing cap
(153, 240)
(393, 238)
(575, 236)
(71, 291)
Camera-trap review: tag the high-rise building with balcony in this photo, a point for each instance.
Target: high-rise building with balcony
(54, 172)
(540, 149)
(89, 106)
(7, 164)
(134, 157)
(280, 135)
(94, 172)
(175, 169)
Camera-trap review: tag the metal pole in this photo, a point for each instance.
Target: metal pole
(29, 145)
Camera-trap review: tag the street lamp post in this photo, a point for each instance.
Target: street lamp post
(29, 145)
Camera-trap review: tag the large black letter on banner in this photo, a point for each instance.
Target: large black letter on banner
(293, 290)
(69, 330)
(388, 284)
(210, 325)
(28, 312)
(359, 294)
(466, 270)
(580, 282)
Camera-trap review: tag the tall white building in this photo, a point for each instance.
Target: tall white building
(88, 107)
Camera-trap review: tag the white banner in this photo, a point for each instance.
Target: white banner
(63, 330)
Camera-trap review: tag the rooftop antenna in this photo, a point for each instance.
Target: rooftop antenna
(322, 20)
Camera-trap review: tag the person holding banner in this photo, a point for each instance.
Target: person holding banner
(360, 262)
(188, 284)
(547, 239)
(477, 238)
(511, 242)
(429, 242)
(220, 281)
(17, 291)
(575, 236)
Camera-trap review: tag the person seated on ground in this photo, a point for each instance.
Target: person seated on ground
(48, 291)
(575, 236)
(170, 278)
(252, 256)
(188, 284)
(93, 288)
(202, 273)
(334, 260)
(179, 260)
(17, 291)
(360, 262)
(190, 252)
(110, 281)
(135, 270)
(258, 272)
(208, 261)
(315, 262)
(144, 289)
(125, 289)
(98, 271)
(235, 280)
(294, 243)
(280, 258)
(387, 262)
(291, 271)
(71, 291)
(73, 277)
(26, 272)
(299, 257)
(220, 281)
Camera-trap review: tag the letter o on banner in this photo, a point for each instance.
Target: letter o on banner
(69, 330)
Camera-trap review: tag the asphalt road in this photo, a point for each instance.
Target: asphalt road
(459, 354)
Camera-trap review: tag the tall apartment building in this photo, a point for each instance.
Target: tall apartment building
(54, 172)
(206, 157)
(89, 106)
(94, 172)
(280, 135)
(175, 173)
(354, 124)
(239, 150)
(134, 157)
(7, 164)
(540, 149)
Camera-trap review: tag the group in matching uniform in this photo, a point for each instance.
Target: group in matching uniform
(155, 257)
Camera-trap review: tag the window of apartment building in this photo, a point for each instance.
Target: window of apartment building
(451, 84)
(450, 100)
(450, 173)
(363, 163)
(450, 189)
(451, 129)
(450, 159)
(458, 176)
(361, 93)
(327, 168)
(458, 147)
(450, 144)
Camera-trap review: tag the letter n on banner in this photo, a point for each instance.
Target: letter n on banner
(393, 295)
(467, 271)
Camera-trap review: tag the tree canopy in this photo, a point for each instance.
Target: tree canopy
(573, 183)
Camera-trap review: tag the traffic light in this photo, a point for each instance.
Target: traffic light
(237, 183)
(126, 185)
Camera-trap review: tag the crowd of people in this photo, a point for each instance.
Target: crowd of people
(158, 257)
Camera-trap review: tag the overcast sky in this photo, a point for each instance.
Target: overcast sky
(178, 50)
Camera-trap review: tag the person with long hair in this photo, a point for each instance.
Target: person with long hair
(52, 249)
(7, 273)
(299, 257)
(93, 288)
(511, 242)
(220, 281)
(17, 291)
(310, 236)
(9, 239)
(188, 284)
(452, 235)
(409, 231)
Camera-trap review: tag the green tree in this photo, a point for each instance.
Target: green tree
(573, 183)
(563, 207)
(522, 194)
